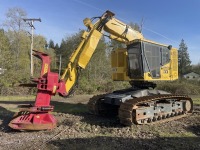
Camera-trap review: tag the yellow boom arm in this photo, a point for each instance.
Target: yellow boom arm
(90, 39)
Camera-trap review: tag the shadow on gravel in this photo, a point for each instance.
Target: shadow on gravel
(107, 143)
(69, 108)
(195, 129)
(16, 102)
(77, 109)
(6, 117)
(81, 110)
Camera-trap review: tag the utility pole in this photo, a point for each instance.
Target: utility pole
(30, 22)
(60, 65)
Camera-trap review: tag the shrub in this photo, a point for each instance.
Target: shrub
(180, 87)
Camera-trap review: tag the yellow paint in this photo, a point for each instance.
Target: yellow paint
(71, 79)
(89, 48)
(46, 66)
(54, 89)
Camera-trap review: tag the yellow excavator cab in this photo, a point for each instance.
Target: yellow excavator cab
(145, 60)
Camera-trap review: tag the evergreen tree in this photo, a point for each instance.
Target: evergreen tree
(57, 47)
(51, 44)
(67, 46)
(184, 59)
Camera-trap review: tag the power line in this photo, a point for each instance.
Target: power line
(89, 5)
(86, 4)
(160, 34)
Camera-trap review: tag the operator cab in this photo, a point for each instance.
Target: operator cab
(146, 57)
(144, 60)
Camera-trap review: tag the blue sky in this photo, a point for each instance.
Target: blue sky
(166, 22)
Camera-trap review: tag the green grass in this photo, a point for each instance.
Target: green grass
(196, 100)
(181, 134)
(16, 98)
(58, 106)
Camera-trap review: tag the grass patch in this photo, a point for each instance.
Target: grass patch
(106, 134)
(196, 100)
(181, 134)
(63, 107)
(16, 98)
(11, 109)
(180, 87)
(10, 103)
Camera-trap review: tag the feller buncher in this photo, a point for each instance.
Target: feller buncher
(141, 63)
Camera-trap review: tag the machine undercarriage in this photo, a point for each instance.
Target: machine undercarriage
(140, 106)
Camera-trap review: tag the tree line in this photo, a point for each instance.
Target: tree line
(15, 56)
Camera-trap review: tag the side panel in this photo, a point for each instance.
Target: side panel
(174, 64)
(119, 65)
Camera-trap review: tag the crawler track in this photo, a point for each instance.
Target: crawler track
(94, 104)
(97, 107)
(129, 110)
(145, 110)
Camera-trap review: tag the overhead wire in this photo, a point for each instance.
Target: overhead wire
(150, 30)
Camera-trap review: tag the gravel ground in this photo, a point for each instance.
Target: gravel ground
(81, 130)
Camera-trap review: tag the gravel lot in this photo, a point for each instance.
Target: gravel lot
(77, 129)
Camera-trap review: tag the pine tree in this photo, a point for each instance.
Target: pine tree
(51, 44)
(56, 47)
(184, 59)
(67, 46)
